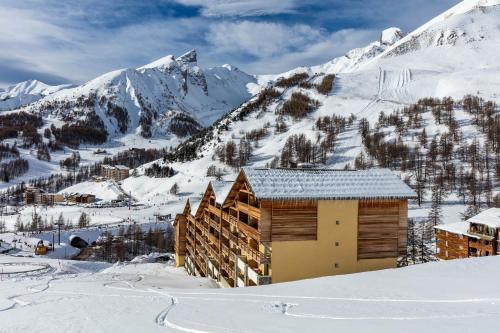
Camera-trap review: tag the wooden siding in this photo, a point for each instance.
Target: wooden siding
(294, 221)
(403, 228)
(378, 229)
(265, 221)
(451, 246)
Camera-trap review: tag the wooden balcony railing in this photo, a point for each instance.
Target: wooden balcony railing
(233, 238)
(248, 209)
(213, 252)
(190, 249)
(254, 254)
(225, 233)
(190, 240)
(214, 210)
(213, 240)
(229, 268)
(249, 231)
(225, 249)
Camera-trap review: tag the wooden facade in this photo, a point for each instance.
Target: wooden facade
(232, 240)
(465, 240)
(451, 246)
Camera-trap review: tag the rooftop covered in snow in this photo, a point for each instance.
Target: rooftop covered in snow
(289, 184)
(489, 217)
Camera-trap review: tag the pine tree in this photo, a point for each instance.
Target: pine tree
(436, 215)
(174, 189)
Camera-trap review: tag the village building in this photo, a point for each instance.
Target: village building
(36, 196)
(81, 198)
(278, 225)
(115, 172)
(479, 236)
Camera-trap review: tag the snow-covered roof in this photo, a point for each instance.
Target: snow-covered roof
(489, 217)
(461, 228)
(326, 184)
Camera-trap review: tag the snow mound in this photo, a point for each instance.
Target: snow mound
(390, 36)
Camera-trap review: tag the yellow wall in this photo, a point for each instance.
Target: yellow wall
(294, 260)
(179, 260)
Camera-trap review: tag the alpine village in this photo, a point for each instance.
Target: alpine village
(294, 167)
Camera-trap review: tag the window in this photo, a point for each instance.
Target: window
(337, 243)
(336, 265)
(446, 254)
(337, 222)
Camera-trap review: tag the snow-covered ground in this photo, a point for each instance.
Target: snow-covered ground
(455, 296)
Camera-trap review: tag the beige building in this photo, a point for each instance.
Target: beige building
(279, 225)
(35, 196)
(116, 172)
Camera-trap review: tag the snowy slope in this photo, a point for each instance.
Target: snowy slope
(25, 93)
(455, 296)
(351, 61)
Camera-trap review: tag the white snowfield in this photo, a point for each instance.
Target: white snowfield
(455, 296)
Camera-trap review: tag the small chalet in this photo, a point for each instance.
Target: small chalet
(278, 225)
(476, 237)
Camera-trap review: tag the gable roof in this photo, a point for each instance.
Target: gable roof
(204, 200)
(315, 184)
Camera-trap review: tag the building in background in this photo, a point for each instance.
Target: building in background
(477, 237)
(79, 198)
(278, 225)
(36, 196)
(115, 172)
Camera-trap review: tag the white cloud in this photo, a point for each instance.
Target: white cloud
(260, 39)
(278, 47)
(52, 50)
(242, 7)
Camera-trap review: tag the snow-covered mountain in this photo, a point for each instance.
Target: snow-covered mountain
(453, 55)
(25, 93)
(168, 96)
(351, 61)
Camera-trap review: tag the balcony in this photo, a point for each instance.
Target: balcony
(228, 268)
(190, 249)
(249, 231)
(225, 233)
(214, 210)
(225, 249)
(190, 240)
(214, 224)
(213, 239)
(213, 252)
(253, 254)
(248, 209)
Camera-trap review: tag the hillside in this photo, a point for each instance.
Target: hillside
(317, 116)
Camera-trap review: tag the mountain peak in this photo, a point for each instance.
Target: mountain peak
(188, 57)
(164, 62)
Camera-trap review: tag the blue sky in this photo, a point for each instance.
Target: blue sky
(73, 41)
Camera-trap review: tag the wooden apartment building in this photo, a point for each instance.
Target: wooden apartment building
(477, 237)
(278, 225)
